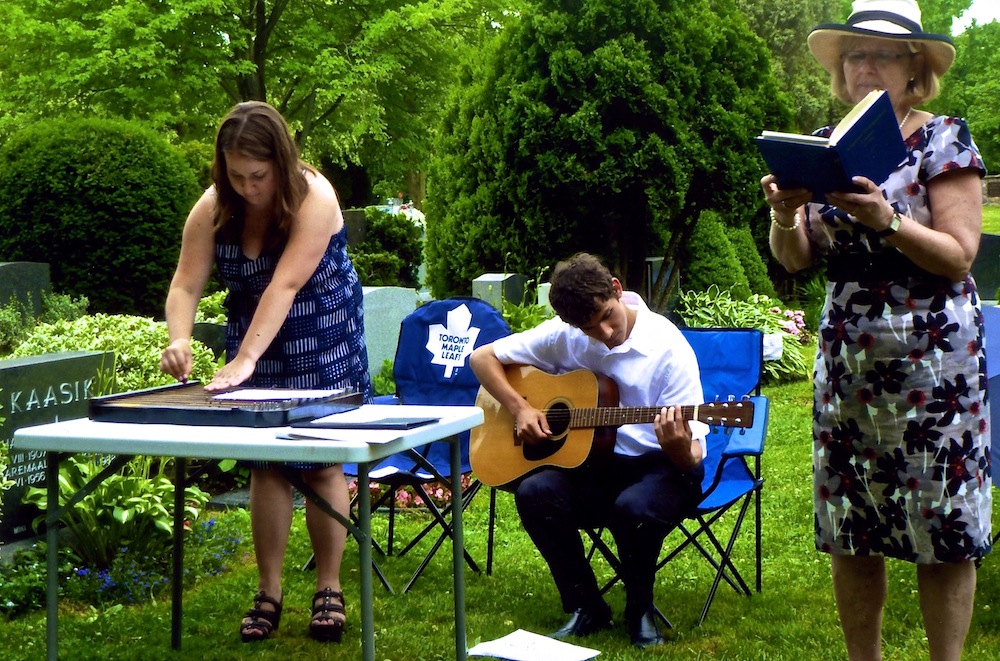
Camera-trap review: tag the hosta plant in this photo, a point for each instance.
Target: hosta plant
(131, 509)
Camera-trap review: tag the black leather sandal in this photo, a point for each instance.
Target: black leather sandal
(324, 627)
(262, 623)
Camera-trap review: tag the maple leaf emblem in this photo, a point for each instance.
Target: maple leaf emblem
(451, 345)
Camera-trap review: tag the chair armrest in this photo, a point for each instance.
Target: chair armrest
(750, 441)
(391, 400)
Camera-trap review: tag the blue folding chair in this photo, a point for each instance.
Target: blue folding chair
(731, 365)
(431, 367)
(991, 321)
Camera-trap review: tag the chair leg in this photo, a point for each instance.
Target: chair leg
(392, 520)
(492, 531)
(440, 516)
(726, 561)
(757, 521)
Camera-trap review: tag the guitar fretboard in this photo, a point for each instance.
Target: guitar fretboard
(613, 416)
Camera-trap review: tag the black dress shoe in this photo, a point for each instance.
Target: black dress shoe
(644, 632)
(584, 622)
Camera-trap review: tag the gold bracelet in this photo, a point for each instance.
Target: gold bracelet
(786, 228)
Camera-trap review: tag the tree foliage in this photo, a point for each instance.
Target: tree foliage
(784, 25)
(972, 90)
(392, 250)
(350, 78)
(599, 125)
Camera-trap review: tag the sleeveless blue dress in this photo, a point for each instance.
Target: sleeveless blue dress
(322, 342)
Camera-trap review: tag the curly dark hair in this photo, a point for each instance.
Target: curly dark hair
(579, 287)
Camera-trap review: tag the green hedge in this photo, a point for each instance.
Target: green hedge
(103, 203)
(136, 342)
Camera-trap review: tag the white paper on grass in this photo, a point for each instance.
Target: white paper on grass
(526, 646)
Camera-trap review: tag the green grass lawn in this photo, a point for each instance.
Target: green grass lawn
(792, 619)
(991, 219)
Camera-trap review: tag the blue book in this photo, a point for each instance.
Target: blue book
(867, 142)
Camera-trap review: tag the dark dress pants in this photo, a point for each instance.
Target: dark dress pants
(639, 499)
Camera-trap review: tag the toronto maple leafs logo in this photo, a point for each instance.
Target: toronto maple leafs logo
(451, 345)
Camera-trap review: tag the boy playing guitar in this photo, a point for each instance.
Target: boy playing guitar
(652, 478)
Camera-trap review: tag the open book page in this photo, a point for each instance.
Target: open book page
(526, 646)
(854, 114)
(795, 137)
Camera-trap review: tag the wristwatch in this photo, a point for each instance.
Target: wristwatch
(893, 225)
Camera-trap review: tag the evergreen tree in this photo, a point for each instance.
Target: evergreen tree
(599, 125)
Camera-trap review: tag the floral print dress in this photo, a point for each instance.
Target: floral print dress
(900, 439)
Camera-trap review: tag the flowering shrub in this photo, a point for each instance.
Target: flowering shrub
(795, 324)
(211, 547)
(128, 580)
(211, 308)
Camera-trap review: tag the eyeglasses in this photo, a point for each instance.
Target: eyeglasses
(856, 58)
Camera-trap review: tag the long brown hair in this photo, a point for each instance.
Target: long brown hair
(258, 131)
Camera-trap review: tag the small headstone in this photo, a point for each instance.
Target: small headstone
(543, 294)
(357, 226)
(986, 267)
(495, 288)
(211, 335)
(24, 281)
(34, 391)
(385, 308)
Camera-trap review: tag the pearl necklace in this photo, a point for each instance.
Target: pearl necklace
(905, 117)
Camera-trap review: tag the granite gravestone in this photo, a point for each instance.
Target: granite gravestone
(37, 390)
(495, 288)
(25, 281)
(385, 308)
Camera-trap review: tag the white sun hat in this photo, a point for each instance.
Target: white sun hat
(884, 19)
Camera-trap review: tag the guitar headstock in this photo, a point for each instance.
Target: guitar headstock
(736, 413)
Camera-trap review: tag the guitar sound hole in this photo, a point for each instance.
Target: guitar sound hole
(557, 416)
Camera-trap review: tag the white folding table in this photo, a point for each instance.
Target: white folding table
(363, 447)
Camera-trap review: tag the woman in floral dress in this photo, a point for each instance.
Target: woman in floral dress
(901, 446)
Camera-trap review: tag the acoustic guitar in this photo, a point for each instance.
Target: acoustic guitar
(583, 413)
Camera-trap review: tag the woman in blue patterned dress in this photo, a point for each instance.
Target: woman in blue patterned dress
(901, 446)
(272, 227)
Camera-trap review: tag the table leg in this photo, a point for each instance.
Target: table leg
(52, 557)
(177, 595)
(458, 547)
(365, 560)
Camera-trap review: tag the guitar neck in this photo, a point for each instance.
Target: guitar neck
(615, 416)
